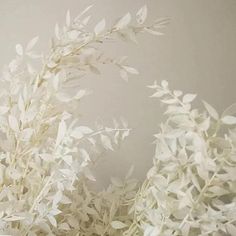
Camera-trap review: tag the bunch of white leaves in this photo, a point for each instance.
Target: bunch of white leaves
(191, 188)
(99, 213)
(45, 153)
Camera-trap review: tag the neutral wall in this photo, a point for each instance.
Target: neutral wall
(197, 54)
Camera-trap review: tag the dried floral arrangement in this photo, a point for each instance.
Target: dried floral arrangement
(191, 188)
(47, 156)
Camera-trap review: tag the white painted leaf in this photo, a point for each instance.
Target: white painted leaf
(211, 110)
(32, 43)
(86, 20)
(57, 198)
(88, 174)
(19, 49)
(68, 18)
(118, 224)
(124, 21)
(57, 31)
(106, 141)
(125, 134)
(130, 172)
(177, 93)
(204, 126)
(100, 27)
(153, 32)
(14, 218)
(61, 132)
(131, 70)
(229, 120)
(83, 12)
(164, 84)
(124, 75)
(67, 159)
(26, 134)
(81, 93)
(3, 109)
(187, 98)
(80, 131)
(117, 182)
(158, 94)
(52, 220)
(151, 231)
(21, 104)
(141, 14)
(84, 154)
(231, 229)
(64, 226)
(230, 111)
(13, 123)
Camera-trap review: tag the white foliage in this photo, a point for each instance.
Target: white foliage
(46, 154)
(123, 22)
(141, 14)
(100, 27)
(190, 190)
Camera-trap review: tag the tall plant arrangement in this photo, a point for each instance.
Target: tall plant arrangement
(191, 188)
(46, 153)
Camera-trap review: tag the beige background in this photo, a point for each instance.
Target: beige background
(197, 54)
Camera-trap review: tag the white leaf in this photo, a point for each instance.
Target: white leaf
(118, 224)
(84, 154)
(57, 198)
(117, 182)
(141, 15)
(67, 172)
(125, 134)
(204, 126)
(229, 120)
(13, 123)
(81, 93)
(124, 75)
(14, 218)
(26, 134)
(83, 12)
(21, 104)
(88, 174)
(158, 94)
(52, 220)
(64, 226)
(211, 110)
(189, 98)
(61, 132)
(86, 20)
(67, 159)
(130, 172)
(231, 110)
(164, 84)
(99, 28)
(170, 101)
(106, 142)
(80, 131)
(151, 231)
(177, 93)
(32, 43)
(150, 31)
(124, 21)
(68, 18)
(3, 109)
(231, 229)
(19, 49)
(57, 31)
(130, 70)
